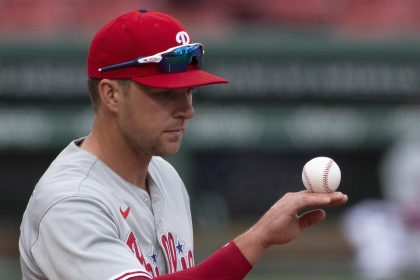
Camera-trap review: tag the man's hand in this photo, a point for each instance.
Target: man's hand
(282, 223)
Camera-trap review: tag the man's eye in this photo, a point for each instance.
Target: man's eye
(167, 94)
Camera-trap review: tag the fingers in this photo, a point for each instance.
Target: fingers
(304, 199)
(339, 200)
(311, 218)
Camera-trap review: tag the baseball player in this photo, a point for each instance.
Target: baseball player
(109, 206)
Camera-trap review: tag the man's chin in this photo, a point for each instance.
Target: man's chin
(168, 150)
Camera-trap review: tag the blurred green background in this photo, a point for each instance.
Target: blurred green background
(337, 78)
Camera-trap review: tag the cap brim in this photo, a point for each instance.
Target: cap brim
(187, 79)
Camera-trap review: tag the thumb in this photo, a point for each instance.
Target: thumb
(311, 218)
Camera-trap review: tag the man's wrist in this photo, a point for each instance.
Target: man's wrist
(251, 244)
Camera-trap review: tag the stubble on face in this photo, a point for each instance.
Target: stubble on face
(142, 135)
(142, 144)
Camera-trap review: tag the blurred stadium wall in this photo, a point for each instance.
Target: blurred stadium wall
(338, 78)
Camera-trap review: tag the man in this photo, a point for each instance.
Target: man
(109, 207)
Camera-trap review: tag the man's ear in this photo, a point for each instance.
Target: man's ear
(110, 93)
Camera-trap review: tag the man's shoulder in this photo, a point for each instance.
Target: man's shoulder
(61, 181)
(70, 166)
(63, 178)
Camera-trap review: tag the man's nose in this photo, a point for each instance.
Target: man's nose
(185, 108)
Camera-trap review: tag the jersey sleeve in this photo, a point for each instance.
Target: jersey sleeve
(228, 263)
(78, 239)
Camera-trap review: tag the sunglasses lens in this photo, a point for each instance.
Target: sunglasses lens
(199, 57)
(179, 59)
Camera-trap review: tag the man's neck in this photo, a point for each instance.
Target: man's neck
(115, 153)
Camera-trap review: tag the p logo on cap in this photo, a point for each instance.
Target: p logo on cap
(182, 37)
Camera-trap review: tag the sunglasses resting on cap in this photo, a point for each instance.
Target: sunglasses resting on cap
(173, 60)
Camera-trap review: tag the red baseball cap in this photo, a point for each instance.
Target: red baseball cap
(139, 34)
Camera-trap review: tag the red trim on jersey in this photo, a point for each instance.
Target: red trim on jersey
(227, 263)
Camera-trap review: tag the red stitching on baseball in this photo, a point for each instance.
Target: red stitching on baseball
(305, 174)
(325, 176)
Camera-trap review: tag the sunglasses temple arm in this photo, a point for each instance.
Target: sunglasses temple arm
(119, 65)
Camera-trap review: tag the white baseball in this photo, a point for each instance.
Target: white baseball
(321, 174)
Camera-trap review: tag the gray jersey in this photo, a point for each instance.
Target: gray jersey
(84, 221)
